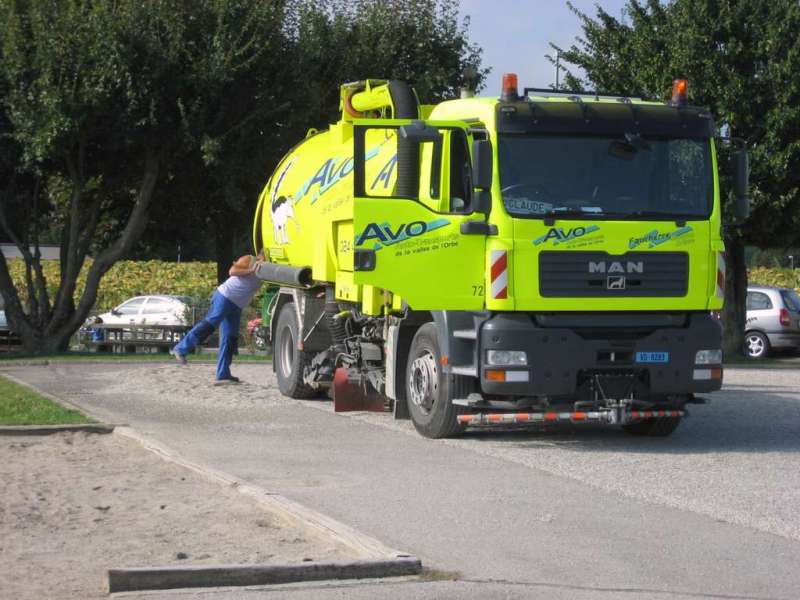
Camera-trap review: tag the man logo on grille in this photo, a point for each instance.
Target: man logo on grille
(616, 282)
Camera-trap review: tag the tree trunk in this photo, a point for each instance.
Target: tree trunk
(53, 336)
(734, 312)
(224, 242)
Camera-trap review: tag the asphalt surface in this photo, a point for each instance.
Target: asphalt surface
(712, 511)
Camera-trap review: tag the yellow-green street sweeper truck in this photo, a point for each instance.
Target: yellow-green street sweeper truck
(526, 258)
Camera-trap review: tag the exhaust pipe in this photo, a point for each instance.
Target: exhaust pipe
(299, 277)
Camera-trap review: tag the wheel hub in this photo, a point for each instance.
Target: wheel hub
(287, 351)
(755, 345)
(424, 382)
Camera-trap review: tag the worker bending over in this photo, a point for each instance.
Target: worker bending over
(234, 294)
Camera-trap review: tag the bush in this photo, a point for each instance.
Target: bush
(773, 277)
(132, 278)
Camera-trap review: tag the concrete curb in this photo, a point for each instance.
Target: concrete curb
(363, 545)
(50, 429)
(164, 578)
(379, 559)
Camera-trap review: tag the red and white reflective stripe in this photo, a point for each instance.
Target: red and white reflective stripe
(575, 417)
(720, 274)
(499, 272)
(495, 418)
(655, 414)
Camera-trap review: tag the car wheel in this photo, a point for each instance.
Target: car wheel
(756, 345)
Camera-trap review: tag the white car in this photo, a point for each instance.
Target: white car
(150, 310)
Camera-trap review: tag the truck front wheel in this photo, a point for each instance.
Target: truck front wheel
(429, 390)
(289, 362)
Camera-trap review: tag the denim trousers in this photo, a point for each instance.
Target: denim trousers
(223, 314)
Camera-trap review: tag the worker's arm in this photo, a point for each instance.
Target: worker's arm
(246, 265)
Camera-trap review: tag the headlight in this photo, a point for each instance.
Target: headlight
(708, 357)
(507, 358)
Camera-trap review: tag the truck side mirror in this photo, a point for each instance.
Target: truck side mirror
(482, 164)
(419, 132)
(741, 175)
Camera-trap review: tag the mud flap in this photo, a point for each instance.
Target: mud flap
(352, 393)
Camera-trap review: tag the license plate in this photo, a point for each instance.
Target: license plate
(652, 357)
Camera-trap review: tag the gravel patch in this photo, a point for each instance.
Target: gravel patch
(75, 504)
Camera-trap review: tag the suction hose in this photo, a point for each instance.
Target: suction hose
(299, 277)
(406, 106)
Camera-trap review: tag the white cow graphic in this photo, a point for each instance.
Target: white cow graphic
(282, 209)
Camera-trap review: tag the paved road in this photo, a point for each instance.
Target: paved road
(711, 511)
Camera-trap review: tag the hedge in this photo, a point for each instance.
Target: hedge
(133, 278)
(774, 277)
(198, 279)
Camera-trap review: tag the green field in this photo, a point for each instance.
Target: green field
(21, 406)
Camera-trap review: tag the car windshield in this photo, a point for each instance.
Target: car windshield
(791, 300)
(627, 176)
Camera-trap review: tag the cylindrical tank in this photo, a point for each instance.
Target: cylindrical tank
(305, 213)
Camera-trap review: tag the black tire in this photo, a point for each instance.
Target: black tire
(429, 390)
(756, 345)
(658, 427)
(289, 362)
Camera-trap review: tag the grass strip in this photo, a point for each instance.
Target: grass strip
(21, 406)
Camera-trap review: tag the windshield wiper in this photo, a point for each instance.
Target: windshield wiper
(680, 220)
(551, 215)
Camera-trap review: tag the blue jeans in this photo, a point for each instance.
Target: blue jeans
(223, 314)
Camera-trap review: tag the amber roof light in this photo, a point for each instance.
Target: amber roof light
(509, 93)
(680, 92)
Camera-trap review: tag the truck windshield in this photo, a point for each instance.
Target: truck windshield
(625, 176)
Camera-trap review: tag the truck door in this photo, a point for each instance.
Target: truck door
(417, 233)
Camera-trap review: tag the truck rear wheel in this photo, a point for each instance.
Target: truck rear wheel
(429, 390)
(658, 427)
(289, 362)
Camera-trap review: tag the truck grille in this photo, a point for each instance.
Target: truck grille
(597, 274)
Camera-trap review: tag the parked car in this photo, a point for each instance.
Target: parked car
(7, 337)
(150, 310)
(773, 320)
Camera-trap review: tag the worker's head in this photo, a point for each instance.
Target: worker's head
(245, 262)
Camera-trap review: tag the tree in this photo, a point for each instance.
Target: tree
(324, 45)
(100, 99)
(742, 59)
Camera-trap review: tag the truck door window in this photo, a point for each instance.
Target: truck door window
(444, 177)
(460, 173)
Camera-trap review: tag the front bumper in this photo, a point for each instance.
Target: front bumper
(572, 357)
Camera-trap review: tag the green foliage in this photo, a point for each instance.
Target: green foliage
(136, 278)
(774, 277)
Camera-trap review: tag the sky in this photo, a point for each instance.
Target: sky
(515, 35)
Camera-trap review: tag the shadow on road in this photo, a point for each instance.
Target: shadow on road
(741, 422)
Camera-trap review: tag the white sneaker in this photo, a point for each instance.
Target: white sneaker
(181, 358)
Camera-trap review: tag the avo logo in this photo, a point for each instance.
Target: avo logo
(561, 235)
(386, 234)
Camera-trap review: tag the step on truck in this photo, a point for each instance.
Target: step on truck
(528, 258)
